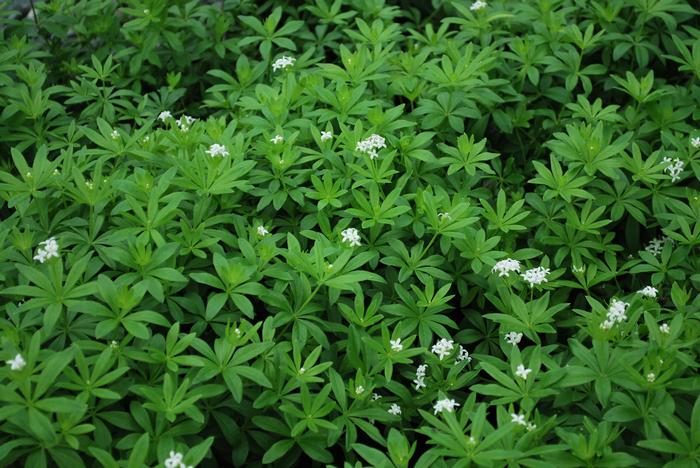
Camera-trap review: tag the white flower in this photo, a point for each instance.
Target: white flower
(283, 63)
(478, 5)
(445, 404)
(531, 427)
(695, 142)
(359, 389)
(513, 338)
(536, 276)
(175, 461)
(396, 345)
(674, 167)
(655, 246)
(395, 409)
(217, 150)
(443, 348)
(184, 122)
(463, 355)
(301, 371)
(376, 396)
(277, 139)
(664, 328)
(648, 291)
(115, 134)
(420, 376)
(616, 314)
(576, 269)
(352, 236)
(518, 419)
(49, 250)
(325, 136)
(262, 232)
(503, 267)
(651, 377)
(444, 216)
(113, 344)
(522, 372)
(17, 363)
(371, 145)
(237, 332)
(165, 115)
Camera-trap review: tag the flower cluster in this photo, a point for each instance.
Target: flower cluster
(175, 461)
(695, 142)
(325, 136)
(651, 377)
(447, 404)
(443, 348)
(276, 139)
(351, 236)
(165, 115)
(513, 338)
(536, 276)
(217, 150)
(504, 267)
(463, 355)
(478, 5)
(648, 291)
(262, 232)
(17, 363)
(359, 390)
(115, 134)
(616, 314)
(520, 420)
(522, 372)
(420, 376)
(656, 245)
(49, 250)
(664, 328)
(371, 145)
(674, 167)
(185, 122)
(283, 63)
(396, 345)
(394, 409)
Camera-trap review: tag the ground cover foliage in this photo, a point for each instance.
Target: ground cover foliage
(350, 233)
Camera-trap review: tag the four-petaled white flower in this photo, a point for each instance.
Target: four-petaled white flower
(174, 460)
(447, 404)
(536, 276)
(371, 145)
(115, 134)
(376, 396)
(648, 291)
(420, 376)
(504, 267)
(531, 427)
(522, 372)
(395, 409)
(17, 363)
(217, 150)
(49, 250)
(325, 136)
(396, 345)
(651, 377)
(478, 5)
(351, 236)
(165, 115)
(443, 348)
(695, 142)
(518, 419)
(674, 167)
(616, 314)
(359, 389)
(283, 63)
(277, 139)
(513, 338)
(262, 232)
(463, 355)
(664, 328)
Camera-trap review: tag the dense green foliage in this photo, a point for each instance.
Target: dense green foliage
(392, 233)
